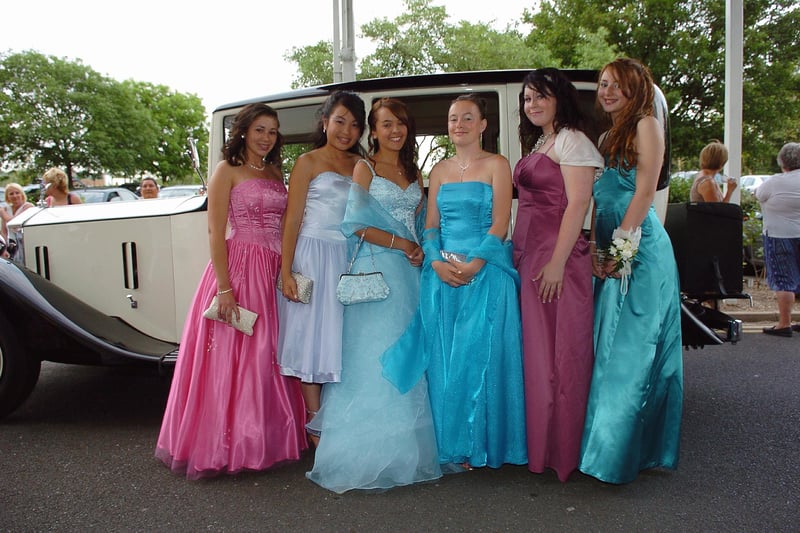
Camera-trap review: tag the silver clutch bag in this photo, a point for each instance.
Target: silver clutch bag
(453, 256)
(305, 286)
(244, 324)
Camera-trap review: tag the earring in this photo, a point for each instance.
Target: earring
(242, 136)
(324, 130)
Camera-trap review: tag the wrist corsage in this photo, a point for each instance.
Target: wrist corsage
(622, 250)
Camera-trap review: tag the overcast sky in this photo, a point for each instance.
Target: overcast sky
(222, 54)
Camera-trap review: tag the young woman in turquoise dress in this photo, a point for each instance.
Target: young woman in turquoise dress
(310, 338)
(633, 417)
(554, 181)
(371, 435)
(468, 325)
(228, 409)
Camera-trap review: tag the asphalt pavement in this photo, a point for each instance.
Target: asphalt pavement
(78, 456)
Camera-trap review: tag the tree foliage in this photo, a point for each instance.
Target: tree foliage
(57, 112)
(683, 43)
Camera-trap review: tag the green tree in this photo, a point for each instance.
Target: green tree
(55, 112)
(683, 43)
(314, 64)
(176, 116)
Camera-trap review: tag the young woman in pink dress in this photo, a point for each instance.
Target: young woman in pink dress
(229, 407)
(554, 182)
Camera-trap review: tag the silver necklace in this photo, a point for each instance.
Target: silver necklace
(262, 167)
(463, 169)
(543, 138)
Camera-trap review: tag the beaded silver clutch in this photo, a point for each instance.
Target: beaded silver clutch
(305, 286)
(244, 324)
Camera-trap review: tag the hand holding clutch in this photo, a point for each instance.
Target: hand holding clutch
(244, 324)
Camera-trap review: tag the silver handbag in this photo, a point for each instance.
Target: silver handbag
(305, 286)
(361, 287)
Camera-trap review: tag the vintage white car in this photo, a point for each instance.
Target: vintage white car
(111, 283)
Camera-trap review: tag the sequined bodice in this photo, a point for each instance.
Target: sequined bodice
(400, 203)
(255, 210)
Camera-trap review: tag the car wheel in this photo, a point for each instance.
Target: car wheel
(19, 372)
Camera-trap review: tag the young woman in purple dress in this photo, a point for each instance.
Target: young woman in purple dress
(554, 182)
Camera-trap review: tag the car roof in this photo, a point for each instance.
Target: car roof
(413, 81)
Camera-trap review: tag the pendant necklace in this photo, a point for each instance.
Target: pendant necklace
(262, 167)
(463, 169)
(543, 138)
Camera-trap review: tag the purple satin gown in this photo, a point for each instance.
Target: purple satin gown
(229, 407)
(556, 336)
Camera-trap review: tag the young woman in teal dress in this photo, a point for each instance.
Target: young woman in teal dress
(371, 435)
(633, 417)
(469, 320)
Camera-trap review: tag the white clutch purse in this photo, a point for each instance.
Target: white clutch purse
(244, 324)
(305, 286)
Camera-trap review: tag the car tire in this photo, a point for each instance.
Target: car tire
(19, 372)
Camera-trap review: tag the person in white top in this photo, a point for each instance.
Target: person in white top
(780, 204)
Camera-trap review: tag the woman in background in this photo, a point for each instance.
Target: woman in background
(704, 187)
(229, 409)
(56, 189)
(148, 188)
(310, 339)
(372, 436)
(552, 256)
(633, 417)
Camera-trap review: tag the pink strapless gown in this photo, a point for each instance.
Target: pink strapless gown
(229, 408)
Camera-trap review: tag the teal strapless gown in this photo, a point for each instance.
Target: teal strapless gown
(474, 341)
(633, 417)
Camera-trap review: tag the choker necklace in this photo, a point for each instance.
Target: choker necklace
(262, 167)
(463, 169)
(543, 138)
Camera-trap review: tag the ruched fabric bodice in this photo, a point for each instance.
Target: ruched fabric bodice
(255, 210)
(465, 214)
(325, 204)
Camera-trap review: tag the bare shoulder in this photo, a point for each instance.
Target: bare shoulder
(649, 126)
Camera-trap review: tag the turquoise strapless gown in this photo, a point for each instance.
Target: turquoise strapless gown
(633, 416)
(473, 339)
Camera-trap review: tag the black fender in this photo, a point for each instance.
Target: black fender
(52, 325)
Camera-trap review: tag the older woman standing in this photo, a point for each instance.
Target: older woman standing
(17, 202)
(780, 204)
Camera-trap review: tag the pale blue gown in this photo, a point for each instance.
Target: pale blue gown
(633, 417)
(373, 436)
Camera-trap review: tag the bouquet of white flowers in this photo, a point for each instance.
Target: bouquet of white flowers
(622, 250)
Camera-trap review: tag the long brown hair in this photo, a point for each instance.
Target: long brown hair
(636, 83)
(234, 149)
(408, 153)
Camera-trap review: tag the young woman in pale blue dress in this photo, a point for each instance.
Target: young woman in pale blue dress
(371, 435)
(469, 331)
(633, 416)
(310, 335)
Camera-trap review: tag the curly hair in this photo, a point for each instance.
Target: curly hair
(553, 83)
(235, 146)
(636, 83)
(353, 103)
(57, 178)
(408, 153)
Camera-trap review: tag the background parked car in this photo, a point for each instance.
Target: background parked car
(750, 182)
(174, 191)
(106, 194)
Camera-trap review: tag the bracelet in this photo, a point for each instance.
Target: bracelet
(226, 291)
(391, 244)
